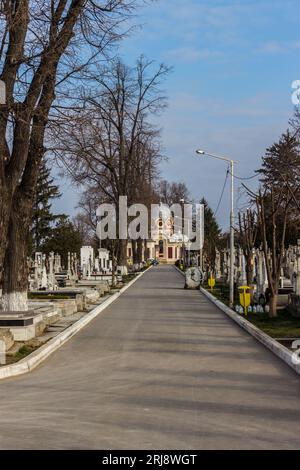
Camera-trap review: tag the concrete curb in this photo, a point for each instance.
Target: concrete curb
(278, 349)
(179, 270)
(34, 359)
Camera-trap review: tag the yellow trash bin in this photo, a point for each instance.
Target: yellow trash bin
(211, 282)
(245, 297)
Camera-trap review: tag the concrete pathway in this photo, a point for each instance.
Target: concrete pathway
(162, 368)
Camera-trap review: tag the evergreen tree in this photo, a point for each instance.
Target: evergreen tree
(280, 173)
(278, 207)
(43, 218)
(281, 163)
(64, 237)
(212, 234)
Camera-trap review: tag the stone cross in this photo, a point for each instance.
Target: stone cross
(225, 265)
(218, 264)
(69, 263)
(51, 276)
(44, 280)
(261, 273)
(57, 263)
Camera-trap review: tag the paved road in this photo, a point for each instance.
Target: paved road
(161, 368)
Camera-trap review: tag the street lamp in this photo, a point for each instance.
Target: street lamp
(231, 282)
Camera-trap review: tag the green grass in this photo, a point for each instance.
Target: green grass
(32, 296)
(23, 352)
(221, 292)
(128, 277)
(283, 326)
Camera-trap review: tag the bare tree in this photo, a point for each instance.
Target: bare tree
(172, 192)
(111, 146)
(273, 211)
(275, 205)
(88, 204)
(247, 234)
(45, 46)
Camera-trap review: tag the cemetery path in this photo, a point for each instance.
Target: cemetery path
(162, 368)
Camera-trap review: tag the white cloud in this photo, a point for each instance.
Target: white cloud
(272, 47)
(241, 129)
(275, 47)
(192, 54)
(259, 106)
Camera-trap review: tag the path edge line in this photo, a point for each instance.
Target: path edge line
(31, 361)
(276, 348)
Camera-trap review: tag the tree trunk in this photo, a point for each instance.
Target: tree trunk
(15, 273)
(15, 269)
(134, 252)
(273, 306)
(5, 204)
(249, 270)
(140, 250)
(146, 251)
(122, 253)
(20, 158)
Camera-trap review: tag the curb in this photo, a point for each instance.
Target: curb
(179, 270)
(35, 358)
(278, 349)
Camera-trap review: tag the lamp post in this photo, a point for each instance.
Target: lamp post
(229, 160)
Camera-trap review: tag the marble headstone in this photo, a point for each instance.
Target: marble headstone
(193, 277)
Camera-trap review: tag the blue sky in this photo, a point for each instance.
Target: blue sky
(230, 90)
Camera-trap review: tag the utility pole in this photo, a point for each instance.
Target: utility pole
(231, 285)
(231, 274)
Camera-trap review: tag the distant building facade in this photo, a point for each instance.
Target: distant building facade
(166, 246)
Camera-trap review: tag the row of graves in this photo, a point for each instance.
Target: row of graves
(59, 294)
(288, 289)
(48, 272)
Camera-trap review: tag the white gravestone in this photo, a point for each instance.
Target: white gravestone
(87, 260)
(193, 278)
